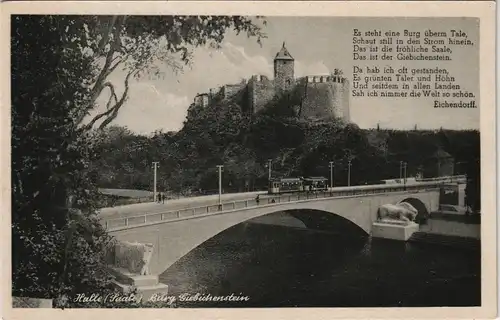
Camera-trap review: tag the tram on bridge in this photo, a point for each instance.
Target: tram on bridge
(301, 184)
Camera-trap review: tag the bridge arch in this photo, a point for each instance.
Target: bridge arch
(308, 219)
(172, 239)
(327, 221)
(423, 211)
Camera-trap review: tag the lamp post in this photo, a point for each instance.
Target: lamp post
(400, 170)
(220, 183)
(405, 165)
(156, 165)
(349, 173)
(331, 174)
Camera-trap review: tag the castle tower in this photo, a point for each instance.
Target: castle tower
(284, 66)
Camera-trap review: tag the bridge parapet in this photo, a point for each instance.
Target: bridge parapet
(190, 213)
(449, 179)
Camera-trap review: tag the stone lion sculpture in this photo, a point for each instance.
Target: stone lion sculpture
(135, 257)
(409, 207)
(404, 212)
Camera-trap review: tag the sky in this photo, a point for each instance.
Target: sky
(319, 45)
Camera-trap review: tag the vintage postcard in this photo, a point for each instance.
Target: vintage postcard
(220, 160)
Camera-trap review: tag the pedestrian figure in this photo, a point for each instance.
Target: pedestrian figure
(257, 199)
(163, 198)
(159, 197)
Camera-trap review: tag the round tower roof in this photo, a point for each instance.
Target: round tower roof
(283, 54)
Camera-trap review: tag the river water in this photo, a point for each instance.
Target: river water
(278, 266)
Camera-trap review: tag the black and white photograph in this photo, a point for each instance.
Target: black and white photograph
(187, 161)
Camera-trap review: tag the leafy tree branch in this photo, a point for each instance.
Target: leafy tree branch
(140, 45)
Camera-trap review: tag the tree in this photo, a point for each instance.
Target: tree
(57, 244)
(139, 44)
(60, 67)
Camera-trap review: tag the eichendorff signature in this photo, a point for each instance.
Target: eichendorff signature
(158, 297)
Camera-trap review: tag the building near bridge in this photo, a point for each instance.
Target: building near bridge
(441, 164)
(312, 97)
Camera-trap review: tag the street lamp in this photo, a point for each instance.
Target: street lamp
(156, 165)
(220, 184)
(349, 173)
(331, 173)
(405, 165)
(400, 170)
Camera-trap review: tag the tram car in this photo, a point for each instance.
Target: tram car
(315, 184)
(289, 185)
(283, 185)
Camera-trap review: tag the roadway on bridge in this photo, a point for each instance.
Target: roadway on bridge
(171, 205)
(138, 209)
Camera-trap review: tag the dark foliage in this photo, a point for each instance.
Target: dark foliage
(223, 134)
(57, 240)
(60, 66)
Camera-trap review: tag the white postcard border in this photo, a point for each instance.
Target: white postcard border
(483, 10)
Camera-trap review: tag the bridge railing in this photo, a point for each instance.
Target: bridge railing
(457, 178)
(266, 200)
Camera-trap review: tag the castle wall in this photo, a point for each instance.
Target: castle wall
(261, 91)
(346, 100)
(230, 90)
(324, 96)
(338, 99)
(201, 100)
(319, 97)
(318, 101)
(341, 100)
(216, 93)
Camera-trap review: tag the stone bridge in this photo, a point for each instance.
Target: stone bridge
(174, 234)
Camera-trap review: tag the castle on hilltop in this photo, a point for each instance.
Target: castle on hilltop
(319, 96)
